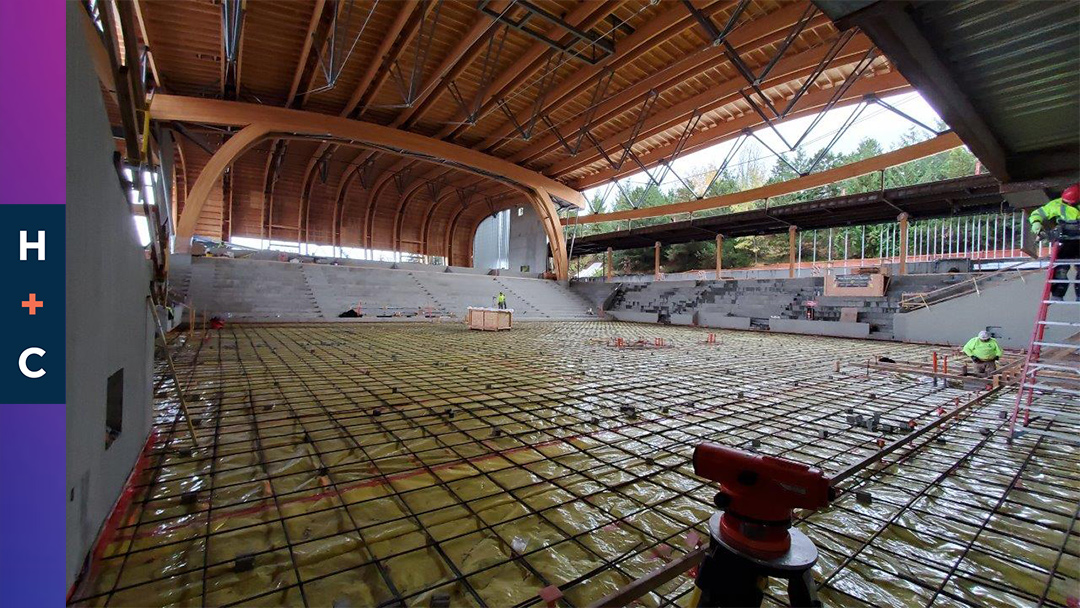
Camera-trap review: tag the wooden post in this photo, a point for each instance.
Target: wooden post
(609, 272)
(719, 254)
(791, 252)
(903, 219)
(656, 260)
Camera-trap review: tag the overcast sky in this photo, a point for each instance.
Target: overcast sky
(875, 121)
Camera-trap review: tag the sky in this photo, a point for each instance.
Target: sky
(875, 121)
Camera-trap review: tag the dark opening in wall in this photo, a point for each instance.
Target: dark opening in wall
(114, 407)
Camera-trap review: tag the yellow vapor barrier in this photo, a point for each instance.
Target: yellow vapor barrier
(354, 465)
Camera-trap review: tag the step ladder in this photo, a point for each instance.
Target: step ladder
(1050, 384)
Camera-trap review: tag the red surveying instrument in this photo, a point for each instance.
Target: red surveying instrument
(752, 539)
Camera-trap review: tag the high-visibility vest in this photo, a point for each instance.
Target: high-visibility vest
(1056, 210)
(982, 349)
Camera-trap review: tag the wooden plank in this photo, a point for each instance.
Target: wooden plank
(929, 147)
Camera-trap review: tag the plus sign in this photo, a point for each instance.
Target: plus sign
(33, 304)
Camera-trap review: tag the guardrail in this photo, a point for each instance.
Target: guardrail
(916, 301)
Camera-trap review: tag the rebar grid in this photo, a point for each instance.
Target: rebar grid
(384, 464)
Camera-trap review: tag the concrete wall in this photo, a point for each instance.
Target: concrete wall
(108, 327)
(528, 243)
(1007, 308)
(489, 242)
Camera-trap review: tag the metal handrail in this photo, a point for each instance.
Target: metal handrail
(916, 301)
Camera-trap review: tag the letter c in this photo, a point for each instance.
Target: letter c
(33, 350)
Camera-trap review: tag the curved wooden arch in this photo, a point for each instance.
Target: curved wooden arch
(399, 214)
(381, 183)
(339, 202)
(425, 229)
(260, 122)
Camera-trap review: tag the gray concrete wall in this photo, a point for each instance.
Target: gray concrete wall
(721, 321)
(1007, 308)
(489, 243)
(820, 328)
(528, 243)
(108, 323)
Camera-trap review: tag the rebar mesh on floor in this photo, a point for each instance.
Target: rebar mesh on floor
(367, 465)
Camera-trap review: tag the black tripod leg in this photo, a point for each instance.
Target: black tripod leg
(727, 580)
(802, 591)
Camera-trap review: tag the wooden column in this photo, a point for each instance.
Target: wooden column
(656, 259)
(609, 271)
(791, 252)
(903, 219)
(719, 254)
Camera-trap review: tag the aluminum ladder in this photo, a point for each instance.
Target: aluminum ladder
(1050, 384)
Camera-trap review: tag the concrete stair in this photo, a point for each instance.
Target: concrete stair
(270, 290)
(762, 299)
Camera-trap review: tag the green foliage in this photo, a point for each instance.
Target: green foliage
(749, 171)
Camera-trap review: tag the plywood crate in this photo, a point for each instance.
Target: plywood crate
(489, 319)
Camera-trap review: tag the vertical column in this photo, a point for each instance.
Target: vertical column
(656, 260)
(903, 219)
(609, 270)
(791, 251)
(719, 254)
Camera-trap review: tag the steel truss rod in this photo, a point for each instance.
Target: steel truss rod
(643, 112)
(232, 24)
(599, 46)
(492, 54)
(872, 98)
(366, 173)
(739, 141)
(333, 62)
(422, 48)
(667, 165)
(716, 36)
(543, 87)
(598, 95)
(403, 178)
(755, 80)
(768, 121)
(774, 152)
(796, 29)
(856, 72)
(837, 46)
(435, 186)
(836, 137)
(466, 194)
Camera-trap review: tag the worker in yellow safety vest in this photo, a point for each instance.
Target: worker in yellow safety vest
(502, 301)
(984, 351)
(1065, 215)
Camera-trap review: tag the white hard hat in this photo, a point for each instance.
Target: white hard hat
(984, 335)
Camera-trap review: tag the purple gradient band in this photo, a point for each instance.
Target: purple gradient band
(32, 103)
(32, 171)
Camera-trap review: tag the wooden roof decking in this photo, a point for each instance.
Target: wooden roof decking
(458, 52)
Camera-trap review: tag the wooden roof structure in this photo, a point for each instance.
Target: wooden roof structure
(576, 92)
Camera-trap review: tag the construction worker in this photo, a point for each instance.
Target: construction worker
(1065, 215)
(984, 351)
(502, 301)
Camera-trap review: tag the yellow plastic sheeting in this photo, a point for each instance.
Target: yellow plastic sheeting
(355, 465)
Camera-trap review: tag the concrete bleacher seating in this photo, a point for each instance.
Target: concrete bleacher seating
(757, 303)
(259, 290)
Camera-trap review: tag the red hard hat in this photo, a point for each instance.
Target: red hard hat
(1071, 194)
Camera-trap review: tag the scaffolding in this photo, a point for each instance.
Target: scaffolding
(389, 464)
